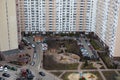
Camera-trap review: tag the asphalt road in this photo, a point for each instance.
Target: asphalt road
(38, 63)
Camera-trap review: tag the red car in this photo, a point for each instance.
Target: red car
(23, 73)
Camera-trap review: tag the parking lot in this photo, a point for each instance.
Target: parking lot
(86, 48)
(10, 71)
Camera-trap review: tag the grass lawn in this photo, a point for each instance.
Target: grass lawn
(56, 73)
(50, 64)
(109, 75)
(70, 44)
(95, 73)
(90, 66)
(106, 59)
(95, 45)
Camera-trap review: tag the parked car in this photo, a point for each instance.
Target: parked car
(30, 76)
(23, 73)
(28, 71)
(35, 51)
(6, 75)
(5, 69)
(88, 44)
(1, 68)
(33, 45)
(32, 63)
(13, 68)
(82, 49)
(34, 55)
(1, 78)
(41, 73)
(7, 66)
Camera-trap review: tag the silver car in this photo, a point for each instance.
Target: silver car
(32, 63)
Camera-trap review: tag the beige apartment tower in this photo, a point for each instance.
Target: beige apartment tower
(99, 16)
(108, 25)
(55, 15)
(8, 25)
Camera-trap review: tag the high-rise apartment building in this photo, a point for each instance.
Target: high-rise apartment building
(108, 24)
(56, 15)
(20, 17)
(98, 16)
(8, 25)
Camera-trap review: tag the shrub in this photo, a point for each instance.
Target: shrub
(82, 78)
(86, 63)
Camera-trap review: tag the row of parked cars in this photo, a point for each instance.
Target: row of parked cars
(82, 49)
(84, 52)
(6, 67)
(95, 55)
(26, 74)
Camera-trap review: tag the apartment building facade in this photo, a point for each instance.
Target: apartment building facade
(107, 24)
(56, 15)
(20, 17)
(98, 16)
(8, 25)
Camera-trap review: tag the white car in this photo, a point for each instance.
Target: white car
(5, 69)
(33, 45)
(32, 63)
(34, 55)
(1, 68)
(82, 50)
(88, 44)
(85, 50)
